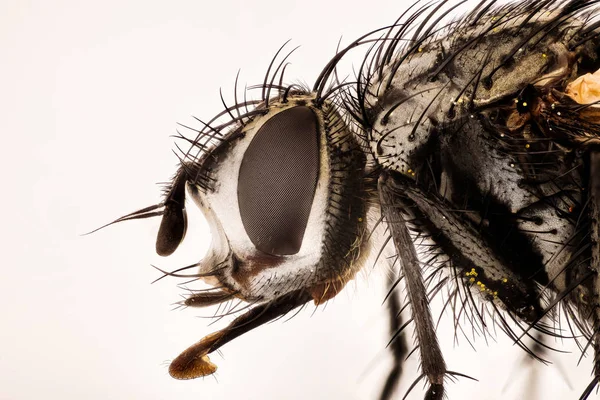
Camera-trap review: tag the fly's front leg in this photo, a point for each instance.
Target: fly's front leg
(594, 201)
(397, 344)
(482, 271)
(485, 270)
(432, 360)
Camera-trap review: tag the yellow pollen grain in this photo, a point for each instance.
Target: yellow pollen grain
(524, 104)
(504, 280)
(472, 280)
(544, 55)
(527, 146)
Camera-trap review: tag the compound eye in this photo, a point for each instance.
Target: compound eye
(277, 181)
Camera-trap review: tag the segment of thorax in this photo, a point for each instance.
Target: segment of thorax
(441, 118)
(450, 79)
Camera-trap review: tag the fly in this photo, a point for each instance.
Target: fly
(477, 140)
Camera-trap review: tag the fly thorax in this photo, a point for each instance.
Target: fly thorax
(405, 118)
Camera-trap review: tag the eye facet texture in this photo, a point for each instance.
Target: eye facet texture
(277, 181)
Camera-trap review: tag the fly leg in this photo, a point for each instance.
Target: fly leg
(594, 203)
(433, 365)
(397, 344)
(527, 369)
(467, 247)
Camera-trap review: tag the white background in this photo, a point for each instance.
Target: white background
(91, 92)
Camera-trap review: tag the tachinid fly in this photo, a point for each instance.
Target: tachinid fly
(465, 152)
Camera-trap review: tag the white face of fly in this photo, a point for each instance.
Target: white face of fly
(286, 193)
(248, 270)
(276, 192)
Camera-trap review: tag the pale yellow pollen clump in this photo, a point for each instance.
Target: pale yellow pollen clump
(482, 287)
(472, 273)
(585, 89)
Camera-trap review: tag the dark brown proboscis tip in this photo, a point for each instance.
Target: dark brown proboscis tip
(194, 361)
(174, 221)
(277, 181)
